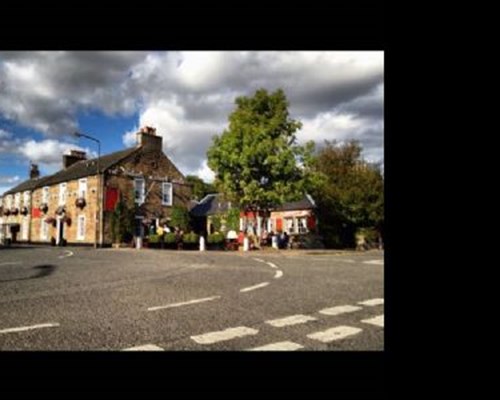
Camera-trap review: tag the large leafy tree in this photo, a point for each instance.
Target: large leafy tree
(257, 160)
(200, 187)
(352, 193)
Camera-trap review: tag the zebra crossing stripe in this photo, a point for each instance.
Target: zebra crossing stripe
(279, 346)
(339, 310)
(372, 302)
(291, 320)
(332, 334)
(227, 334)
(378, 320)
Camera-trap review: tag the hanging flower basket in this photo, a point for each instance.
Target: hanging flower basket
(67, 220)
(50, 220)
(14, 210)
(44, 207)
(80, 202)
(6, 212)
(60, 210)
(24, 210)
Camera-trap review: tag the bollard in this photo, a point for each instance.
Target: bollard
(274, 241)
(138, 242)
(246, 244)
(202, 243)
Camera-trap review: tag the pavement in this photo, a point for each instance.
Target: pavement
(166, 300)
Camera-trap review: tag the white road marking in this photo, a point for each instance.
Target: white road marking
(337, 333)
(11, 263)
(339, 310)
(27, 328)
(378, 320)
(69, 253)
(227, 334)
(259, 260)
(272, 265)
(279, 346)
(247, 289)
(376, 262)
(372, 302)
(146, 347)
(184, 303)
(278, 274)
(292, 320)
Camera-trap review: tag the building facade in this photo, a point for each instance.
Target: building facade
(76, 204)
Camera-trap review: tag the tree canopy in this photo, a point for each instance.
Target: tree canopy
(200, 187)
(256, 160)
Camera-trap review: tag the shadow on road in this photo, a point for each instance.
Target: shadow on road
(41, 271)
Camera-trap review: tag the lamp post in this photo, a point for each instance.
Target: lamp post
(99, 208)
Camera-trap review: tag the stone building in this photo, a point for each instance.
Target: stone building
(75, 205)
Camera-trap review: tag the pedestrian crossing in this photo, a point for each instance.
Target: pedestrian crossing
(337, 332)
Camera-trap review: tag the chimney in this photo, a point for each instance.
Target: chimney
(34, 172)
(147, 139)
(73, 157)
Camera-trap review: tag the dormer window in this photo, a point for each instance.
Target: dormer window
(139, 190)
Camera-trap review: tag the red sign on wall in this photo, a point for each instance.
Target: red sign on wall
(112, 195)
(36, 213)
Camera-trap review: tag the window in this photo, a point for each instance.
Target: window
(44, 230)
(17, 200)
(302, 224)
(139, 190)
(289, 225)
(8, 201)
(80, 231)
(26, 198)
(25, 228)
(45, 195)
(62, 194)
(166, 198)
(82, 188)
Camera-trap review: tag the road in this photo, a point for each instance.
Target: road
(127, 299)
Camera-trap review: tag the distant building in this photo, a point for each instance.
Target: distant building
(63, 207)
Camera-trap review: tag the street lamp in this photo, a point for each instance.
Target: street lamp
(99, 208)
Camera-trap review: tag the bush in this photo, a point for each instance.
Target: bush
(191, 238)
(154, 238)
(169, 237)
(216, 237)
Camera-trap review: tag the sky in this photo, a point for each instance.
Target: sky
(45, 96)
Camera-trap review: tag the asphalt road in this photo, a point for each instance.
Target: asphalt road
(117, 299)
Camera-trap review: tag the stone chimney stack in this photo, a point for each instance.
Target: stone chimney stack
(34, 171)
(73, 157)
(147, 139)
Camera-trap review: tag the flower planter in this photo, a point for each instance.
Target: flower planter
(80, 202)
(44, 207)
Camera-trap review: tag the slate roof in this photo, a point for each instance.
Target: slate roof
(79, 169)
(214, 203)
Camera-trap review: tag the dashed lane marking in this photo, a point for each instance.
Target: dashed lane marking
(278, 274)
(260, 285)
(259, 260)
(272, 265)
(339, 310)
(146, 347)
(378, 320)
(291, 320)
(332, 334)
(372, 302)
(69, 253)
(227, 334)
(185, 303)
(278, 346)
(28, 328)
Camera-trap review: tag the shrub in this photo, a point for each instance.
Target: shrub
(154, 238)
(191, 238)
(169, 237)
(216, 237)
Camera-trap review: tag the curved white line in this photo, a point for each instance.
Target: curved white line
(271, 265)
(66, 255)
(279, 274)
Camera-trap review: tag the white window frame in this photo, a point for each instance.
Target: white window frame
(80, 228)
(45, 194)
(62, 193)
(289, 229)
(27, 198)
(44, 229)
(82, 188)
(170, 193)
(25, 228)
(8, 201)
(17, 200)
(305, 229)
(139, 199)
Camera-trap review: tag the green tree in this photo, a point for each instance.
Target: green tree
(180, 217)
(257, 161)
(122, 222)
(200, 188)
(351, 195)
